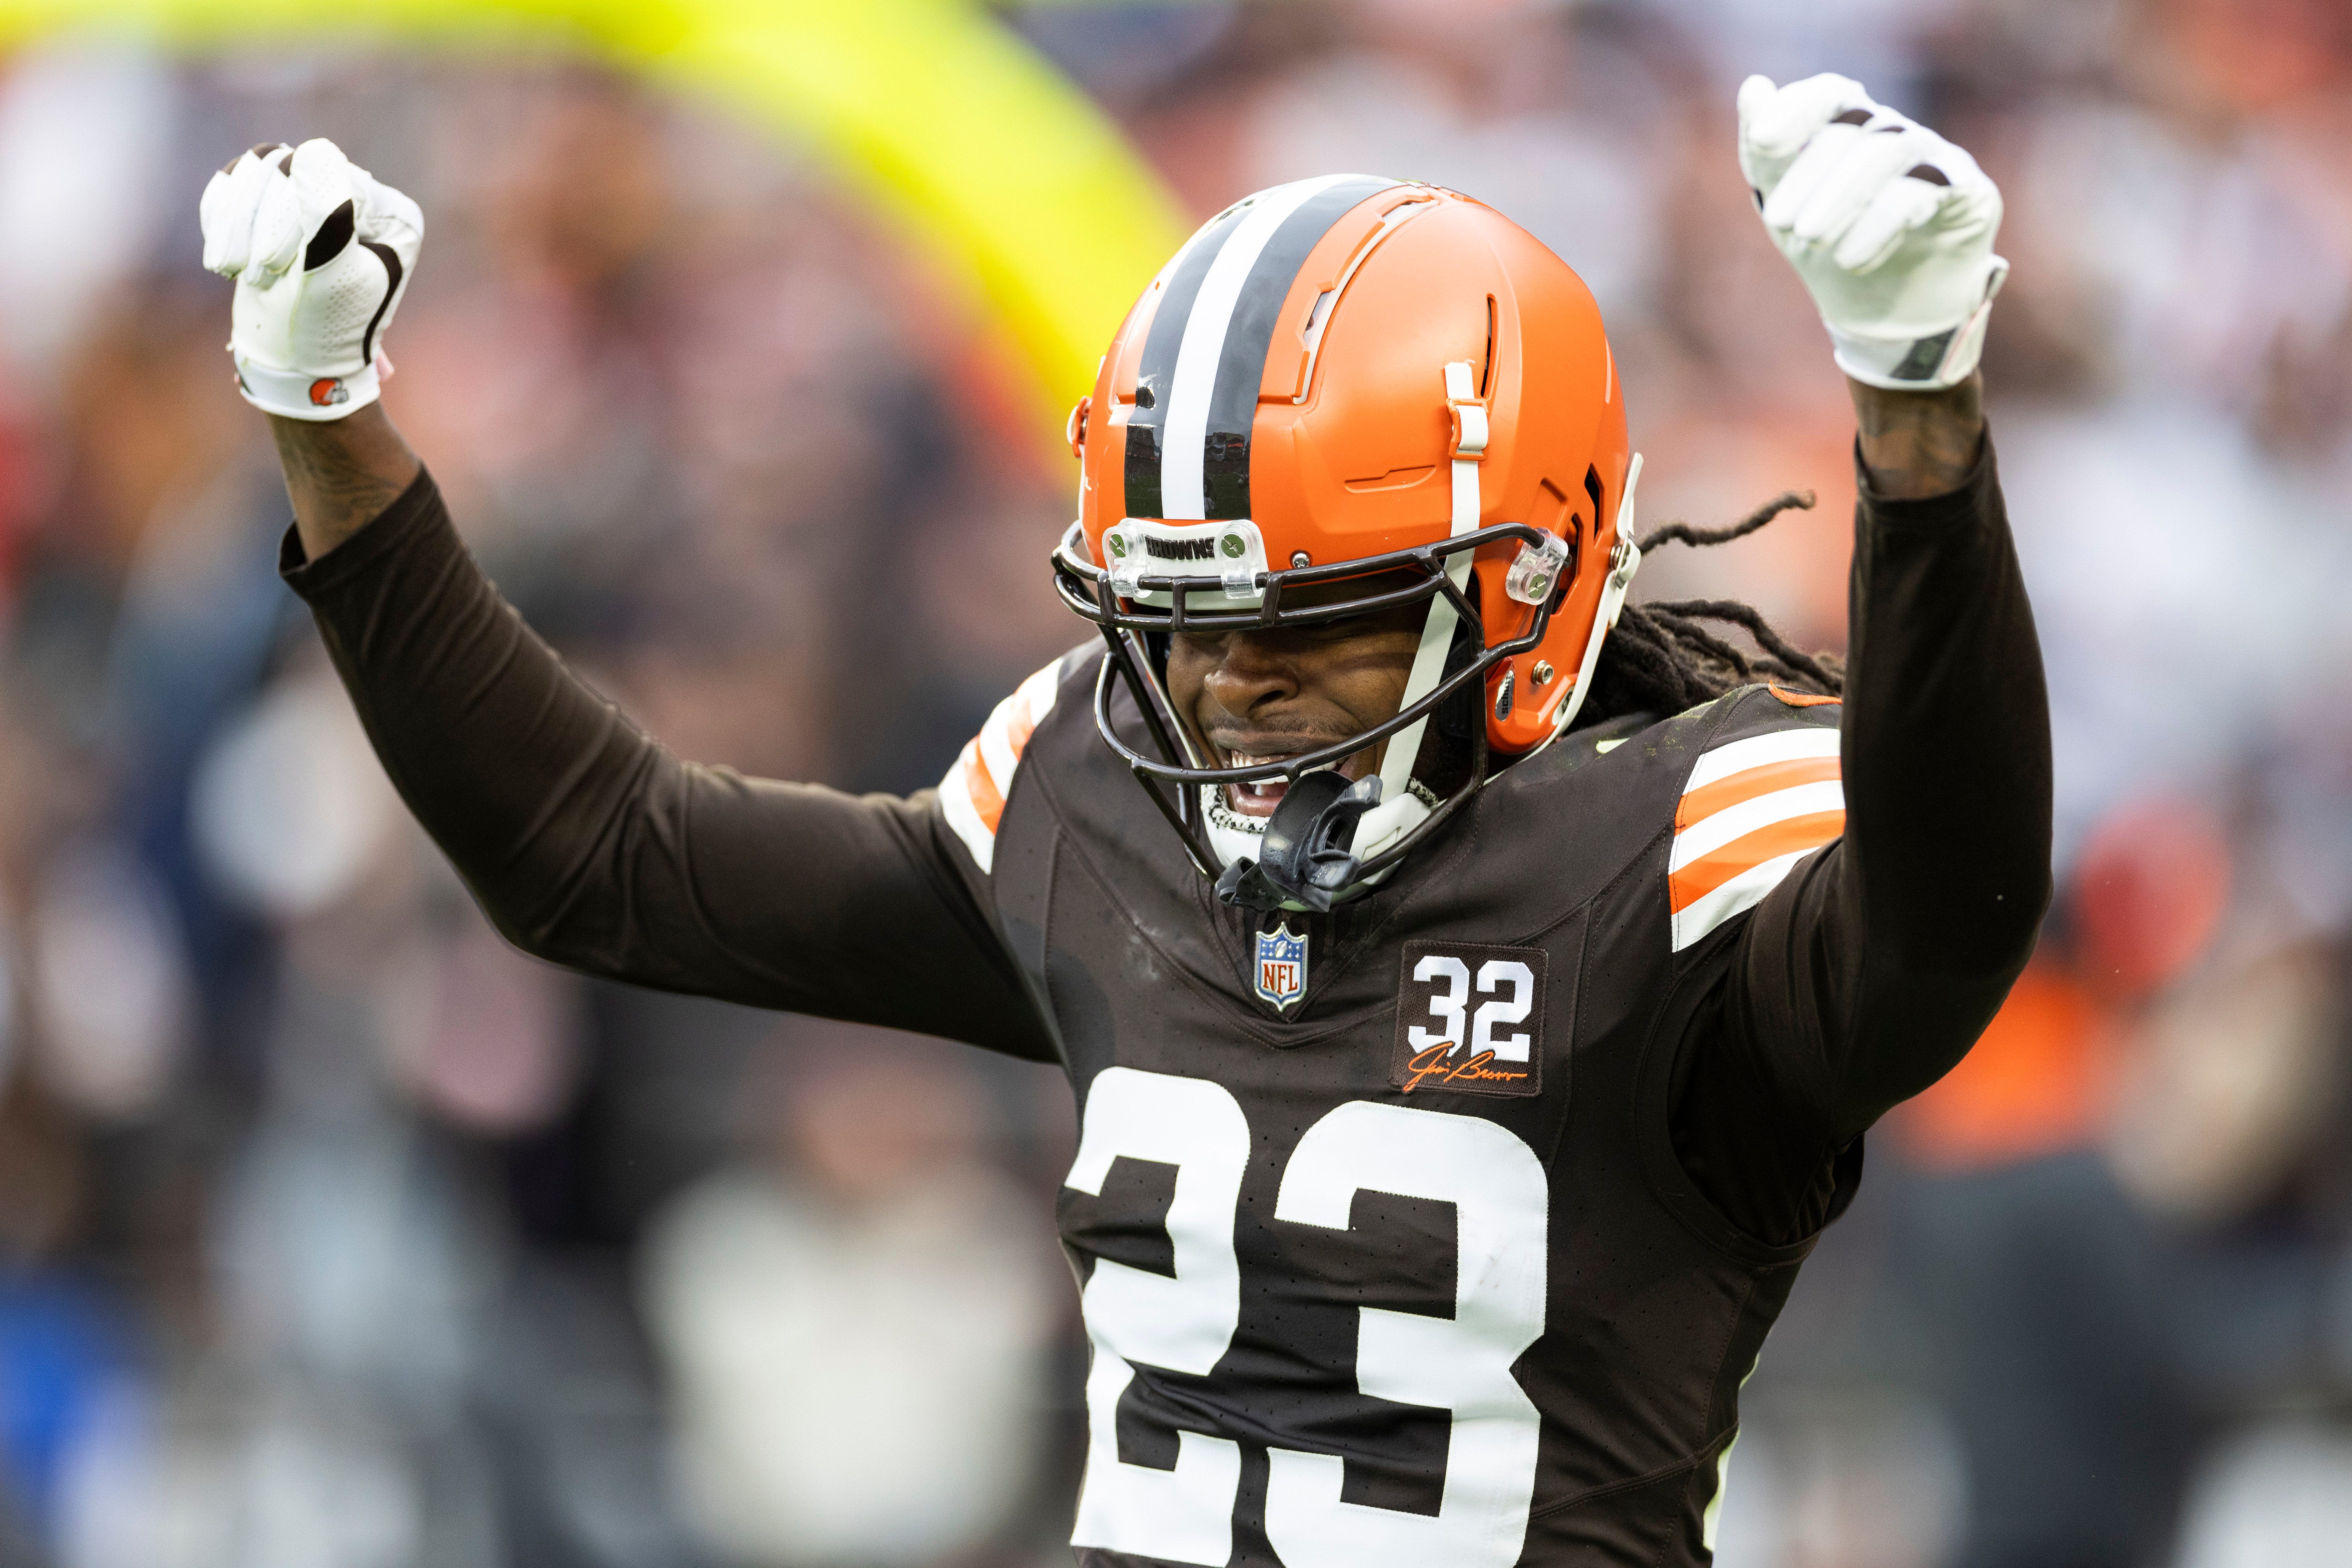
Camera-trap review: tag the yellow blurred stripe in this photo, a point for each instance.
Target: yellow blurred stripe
(1001, 168)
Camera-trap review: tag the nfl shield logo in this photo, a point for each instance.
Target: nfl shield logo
(1281, 967)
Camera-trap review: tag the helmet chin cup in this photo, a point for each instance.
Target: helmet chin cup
(1307, 860)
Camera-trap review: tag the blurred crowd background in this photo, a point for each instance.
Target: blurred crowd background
(335, 1234)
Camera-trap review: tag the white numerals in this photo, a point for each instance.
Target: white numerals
(1497, 1187)
(1451, 1008)
(1184, 1324)
(1492, 974)
(1461, 1364)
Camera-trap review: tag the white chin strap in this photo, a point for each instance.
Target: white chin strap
(1230, 842)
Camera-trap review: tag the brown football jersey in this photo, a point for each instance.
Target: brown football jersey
(1385, 1254)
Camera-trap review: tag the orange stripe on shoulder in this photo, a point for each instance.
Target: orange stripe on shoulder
(987, 800)
(1747, 784)
(1021, 720)
(1712, 870)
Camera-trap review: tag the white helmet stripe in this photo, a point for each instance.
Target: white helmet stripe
(1184, 491)
(1188, 437)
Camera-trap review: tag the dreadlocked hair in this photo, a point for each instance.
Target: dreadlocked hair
(1662, 659)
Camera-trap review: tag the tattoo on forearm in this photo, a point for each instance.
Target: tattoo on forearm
(341, 475)
(327, 471)
(1920, 443)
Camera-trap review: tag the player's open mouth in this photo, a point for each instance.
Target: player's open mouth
(1258, 798)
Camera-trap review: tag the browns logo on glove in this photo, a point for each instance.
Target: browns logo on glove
(321, 252)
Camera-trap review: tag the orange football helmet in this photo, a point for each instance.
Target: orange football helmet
(1353, 378)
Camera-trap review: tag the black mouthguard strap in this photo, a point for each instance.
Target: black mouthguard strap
(1307, 856)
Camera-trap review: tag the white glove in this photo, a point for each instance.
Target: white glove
(1890, 225)
(321, 252)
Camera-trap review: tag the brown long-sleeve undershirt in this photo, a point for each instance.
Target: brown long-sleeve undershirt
(589, 845)
(1875, 966)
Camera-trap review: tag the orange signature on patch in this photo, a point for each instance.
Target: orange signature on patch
(1432, 1063)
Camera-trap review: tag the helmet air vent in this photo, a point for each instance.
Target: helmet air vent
(1319, 318)
(1486, 373)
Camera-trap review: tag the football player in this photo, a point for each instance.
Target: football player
(1476, 987)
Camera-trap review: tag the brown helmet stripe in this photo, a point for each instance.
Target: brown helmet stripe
(1148, 417)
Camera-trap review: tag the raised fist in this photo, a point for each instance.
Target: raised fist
(321, 252)
(1890, 225)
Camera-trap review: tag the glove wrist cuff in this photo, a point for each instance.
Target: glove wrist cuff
(1913, 365)
(299, 395)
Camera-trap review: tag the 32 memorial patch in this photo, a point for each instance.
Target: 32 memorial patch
(1470, 1020)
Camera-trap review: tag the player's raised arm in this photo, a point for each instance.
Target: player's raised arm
(585, 842)
(1865, 976)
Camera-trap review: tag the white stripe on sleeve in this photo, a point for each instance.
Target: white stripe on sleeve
(1745, 892)
(955, 804)
(996, 750)
(1709, 834)
(1757, 751)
